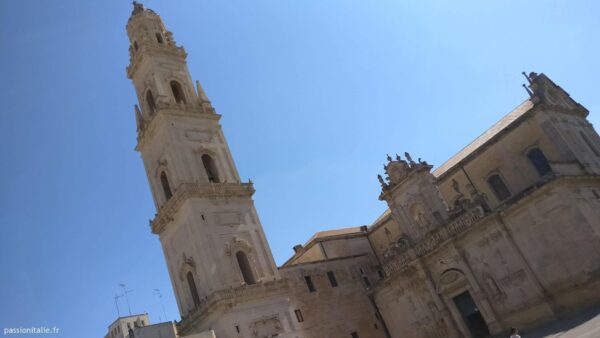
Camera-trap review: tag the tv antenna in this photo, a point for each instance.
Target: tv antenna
(117, 305)
(157, 292)
(125, 292)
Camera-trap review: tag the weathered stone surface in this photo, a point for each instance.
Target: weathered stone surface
(505, 233)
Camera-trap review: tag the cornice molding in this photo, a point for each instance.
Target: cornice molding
(147, 49)
(171, 109)
(229, 298)
(185, 191)
(434, 240)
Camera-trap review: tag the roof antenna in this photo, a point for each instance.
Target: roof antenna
(125, 292)
(527, 77)
(157, 292)
(117, 305)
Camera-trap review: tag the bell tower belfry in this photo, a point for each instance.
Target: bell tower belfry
(208, 227)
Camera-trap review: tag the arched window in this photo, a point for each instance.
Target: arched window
(211, 168)
(245, 267)
(498, 186)
(165, 184)
(150, 102)
(177, 92)
(159, 38)
(193, 290)
(589, 144)
(539, 161)
(135, 45)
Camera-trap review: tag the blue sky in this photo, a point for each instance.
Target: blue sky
(313, 95)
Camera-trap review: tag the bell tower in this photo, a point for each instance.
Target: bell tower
(208, 227)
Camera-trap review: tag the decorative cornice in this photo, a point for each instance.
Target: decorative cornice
(146, 49)
(203, 190)
(434, 240)
(229, 298)
(164, 109)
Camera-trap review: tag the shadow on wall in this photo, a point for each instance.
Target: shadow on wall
(581, 324)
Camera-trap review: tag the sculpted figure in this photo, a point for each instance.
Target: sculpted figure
(409, 158)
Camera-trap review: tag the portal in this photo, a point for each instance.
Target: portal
(471, 315)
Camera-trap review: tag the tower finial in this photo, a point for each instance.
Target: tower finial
(527, 77)
(531, 95)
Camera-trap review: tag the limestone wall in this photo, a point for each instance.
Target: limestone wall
(331, 312)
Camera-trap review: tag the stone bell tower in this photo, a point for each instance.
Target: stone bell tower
(208, 227)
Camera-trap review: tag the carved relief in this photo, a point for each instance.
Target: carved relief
(266, 327)
(450, 279)
(228, 218)
(492, 287)
(196, 135)
(514, 279)
(417, 212)
(237, 244)
(187, 264)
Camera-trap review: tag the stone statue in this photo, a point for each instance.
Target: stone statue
(382, 182)
(472, 190)
(409, 158)
(456, 187)
(389, 158)
(398, 158)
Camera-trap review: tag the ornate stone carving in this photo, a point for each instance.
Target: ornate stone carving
(236, 245)
(398, 170)
(266, 327)
(188, 190)
(433, 240)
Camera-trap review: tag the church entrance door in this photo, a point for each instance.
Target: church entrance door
(471, 315)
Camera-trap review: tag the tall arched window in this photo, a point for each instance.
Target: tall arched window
(589, 144)
(177, 92)
(210, 168)
(159, 38)
(245, 268)
(193, 290)
(150, 102)
(498, 186)
(165, 185)
(539, 161)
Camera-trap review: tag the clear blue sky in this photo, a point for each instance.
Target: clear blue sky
(313, 95)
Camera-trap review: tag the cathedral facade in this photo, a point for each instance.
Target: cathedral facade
(505, 233)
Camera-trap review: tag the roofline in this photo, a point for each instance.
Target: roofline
(325, 260)
(313, 240)
(491, 141)
(123, 317)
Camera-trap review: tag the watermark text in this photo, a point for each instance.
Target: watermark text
(31, 330)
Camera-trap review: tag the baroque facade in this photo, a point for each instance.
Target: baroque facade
(505, 233)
